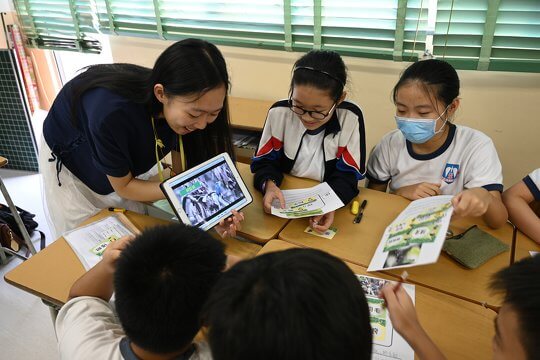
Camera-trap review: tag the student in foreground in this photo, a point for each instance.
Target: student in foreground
(517, 326)
(288, 305)
(160, 279)
(314, 134)
(518, 200)
(429, 155)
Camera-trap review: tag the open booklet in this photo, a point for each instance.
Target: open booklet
(90, 241)
(299, 203)
(416, 236)
(387, 343)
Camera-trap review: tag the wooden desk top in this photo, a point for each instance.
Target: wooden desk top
(356, 243)
(461, 329)
(248, 113)
(51, 272)
(259, 226)
(524, 244)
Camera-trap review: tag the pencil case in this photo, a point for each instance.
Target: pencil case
(473, 247)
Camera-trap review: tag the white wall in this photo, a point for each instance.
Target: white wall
(6, 5)
(503, 105)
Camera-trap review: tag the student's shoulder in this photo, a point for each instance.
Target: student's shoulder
(471, 137)
(88, 326)
(349, 106)
(393, 140)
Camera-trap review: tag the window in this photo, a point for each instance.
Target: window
(471, 34)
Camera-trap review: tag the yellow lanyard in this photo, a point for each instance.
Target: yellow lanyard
(159, 145)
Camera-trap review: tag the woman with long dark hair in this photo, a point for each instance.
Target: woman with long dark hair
(110, 126)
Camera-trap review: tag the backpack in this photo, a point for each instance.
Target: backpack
(10, 235)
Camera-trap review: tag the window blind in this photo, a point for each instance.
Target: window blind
(471, 34)
(59, 24)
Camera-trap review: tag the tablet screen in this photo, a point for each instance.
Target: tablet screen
(208, 193)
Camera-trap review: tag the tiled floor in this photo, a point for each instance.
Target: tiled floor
(26, 330)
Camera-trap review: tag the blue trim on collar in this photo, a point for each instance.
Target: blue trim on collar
(532, 187)
(128, 354)
(439, 151)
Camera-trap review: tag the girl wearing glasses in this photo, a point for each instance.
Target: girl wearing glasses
(315, 134)
(428, 155)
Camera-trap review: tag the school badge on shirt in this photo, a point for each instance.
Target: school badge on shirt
(450, 173)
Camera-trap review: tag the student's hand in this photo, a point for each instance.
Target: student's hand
(271, 193)
(419, 191)
(321, 223)
(230, 225)
(403, 316)
(472, 202)
(113, 250)
(401, 310)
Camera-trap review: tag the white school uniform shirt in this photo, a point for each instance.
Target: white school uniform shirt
(311, 153)
(88, 328)
(468, 159)
(533, 183)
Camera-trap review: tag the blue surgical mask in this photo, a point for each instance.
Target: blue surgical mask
(418, 131)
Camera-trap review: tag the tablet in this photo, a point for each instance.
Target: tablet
(207, 193)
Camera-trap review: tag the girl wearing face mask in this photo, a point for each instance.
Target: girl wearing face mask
(315, 134)
(109, 128)
(428, 155)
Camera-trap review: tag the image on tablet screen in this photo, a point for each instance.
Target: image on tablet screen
(206, 195)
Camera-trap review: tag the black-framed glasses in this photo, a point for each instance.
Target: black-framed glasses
(316, 115)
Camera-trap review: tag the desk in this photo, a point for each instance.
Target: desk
(461, 329)
(259, 226)
(524, 244)
(50, 273)
(248, 114)
(356, 243)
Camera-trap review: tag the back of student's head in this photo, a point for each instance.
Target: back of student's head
(289, 305)
(437, 77)
(324, 70)
(520, 284)
(161, 282)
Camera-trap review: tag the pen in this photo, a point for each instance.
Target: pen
(117, 209)
(404, 276)
(360, 212)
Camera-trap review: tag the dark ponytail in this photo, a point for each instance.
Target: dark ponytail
(323, 70)
(437, 76)
(187, 67)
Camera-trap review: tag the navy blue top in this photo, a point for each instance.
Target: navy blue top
(113, 137)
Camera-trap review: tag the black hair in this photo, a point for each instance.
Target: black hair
(520, 284)
(187, 67)
(288, 305)
(437, 77)
(321, 69)
(162, 280)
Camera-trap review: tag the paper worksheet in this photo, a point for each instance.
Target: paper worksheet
(90, 241)
(299, 203)
(387, 343)
(416, 236)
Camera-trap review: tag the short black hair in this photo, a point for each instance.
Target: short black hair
(161, 282)
(437, 77)
(289, 305)
(520, 284)
(322, 69)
